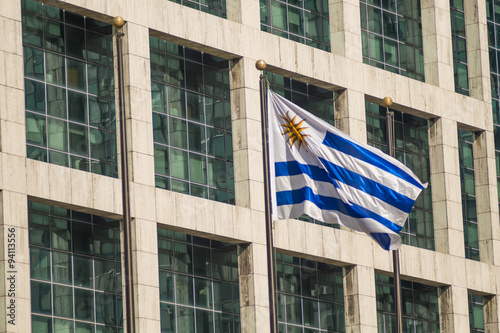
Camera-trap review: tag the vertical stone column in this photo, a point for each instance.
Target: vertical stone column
(446, 192)
(138, 109)
(15, 313)
(345, 33)
(350, 114)
(491, 314)
(248, 179)
(436, 34)
(246, 12)
(247, 137)
(254, 295)
(360, 299)
(453, 309)
(476, 32)
(486, 198)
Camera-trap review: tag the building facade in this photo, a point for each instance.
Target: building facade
(194, 154)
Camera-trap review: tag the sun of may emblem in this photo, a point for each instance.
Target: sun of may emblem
(294, 131)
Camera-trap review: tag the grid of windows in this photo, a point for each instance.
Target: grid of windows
(199, 288)
(391, 33)
(493, 17)
(69, 89)
(310, 296)
(318, 101)
(420, 306)
(466, 158)
(75, 271)
(476, 314)
(306, 21)
(459, 46)
(214, 7)
(191, 122)
(412, 149)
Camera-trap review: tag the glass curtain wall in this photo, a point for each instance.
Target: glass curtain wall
(476, 313)
(199, 284)
(420, 306)
(310, 296)
(214, 7)
(391, 33)
(493, 17)
(75, 271)
(191, 122)
(412, 149)
(306, 21)
(458, 38)
(466, 158)
(69, 89)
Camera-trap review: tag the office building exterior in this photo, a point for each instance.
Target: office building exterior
(192, 111)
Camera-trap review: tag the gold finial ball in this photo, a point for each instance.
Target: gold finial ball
(118, 22)
(260, 65)
(387, 102)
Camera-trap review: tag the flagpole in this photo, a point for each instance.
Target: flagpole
(127, 232)
(261, 65)
(395, 253)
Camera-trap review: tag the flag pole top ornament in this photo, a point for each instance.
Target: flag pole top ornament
(118, 22)
(260, 65)
(387, 102)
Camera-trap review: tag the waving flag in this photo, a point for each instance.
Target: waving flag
(324, 173)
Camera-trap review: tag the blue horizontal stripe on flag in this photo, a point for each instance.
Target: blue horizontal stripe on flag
(293, 168)
(328, 203)
(371, 187)
(383, 239)
(348, 147)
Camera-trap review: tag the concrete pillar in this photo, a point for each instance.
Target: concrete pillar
(476, 32)
(254, 294)
(360, 299)
(486, 198)
(15, 315)
(247, 137)
(491, 314)
(436, 35)
(446, 192)
(138, 113)
(350, 114)
(453, 309)
(246, 12)
(15, 291)
(345, 34)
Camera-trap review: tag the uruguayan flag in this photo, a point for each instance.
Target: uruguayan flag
(324, 173)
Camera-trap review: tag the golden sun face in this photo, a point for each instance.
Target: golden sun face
(294, 131)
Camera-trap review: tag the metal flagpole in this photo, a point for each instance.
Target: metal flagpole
(395, 254)
(118, 22)
(261, 65)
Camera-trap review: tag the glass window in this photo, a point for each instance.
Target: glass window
(214, 7)
(459, 47)
(412, 149)
(494, 51)
(420, 306)
(466, 158)
(310, 295)
(69, 93)
(81, 288)
(199, 290)
(306, 22)
(191, 122)
(476, 313)
(391, 34)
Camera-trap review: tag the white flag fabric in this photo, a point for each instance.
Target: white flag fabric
(319, 171)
